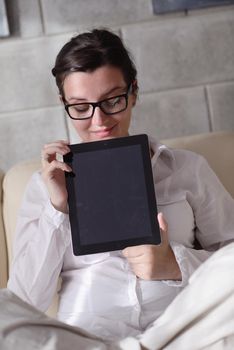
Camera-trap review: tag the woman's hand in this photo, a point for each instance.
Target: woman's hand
(154, 262)
(53, 173)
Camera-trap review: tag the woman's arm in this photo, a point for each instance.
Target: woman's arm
(213, 210)
(41, 238)
(42, 233)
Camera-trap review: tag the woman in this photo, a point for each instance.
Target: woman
(121, 293)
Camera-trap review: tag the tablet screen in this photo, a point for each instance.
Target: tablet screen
(111, 195)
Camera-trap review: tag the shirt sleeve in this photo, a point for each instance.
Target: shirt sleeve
(41, 239)
(213, 209)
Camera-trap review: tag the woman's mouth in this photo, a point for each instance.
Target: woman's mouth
(104, 132)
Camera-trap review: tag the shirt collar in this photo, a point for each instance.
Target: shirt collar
(160, 150)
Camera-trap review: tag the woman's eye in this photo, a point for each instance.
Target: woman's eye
(81, 108)
(113, 101)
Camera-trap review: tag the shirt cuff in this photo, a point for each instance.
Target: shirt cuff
(179, 252)
(59, 220)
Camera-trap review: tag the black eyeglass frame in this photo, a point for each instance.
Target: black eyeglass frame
(99, 104)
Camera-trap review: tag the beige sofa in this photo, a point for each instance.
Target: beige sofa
(217, 148)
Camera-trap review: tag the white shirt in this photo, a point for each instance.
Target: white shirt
(99, 292)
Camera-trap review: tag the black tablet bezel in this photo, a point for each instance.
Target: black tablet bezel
(155, 238)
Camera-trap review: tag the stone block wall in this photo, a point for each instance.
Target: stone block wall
(185, 68)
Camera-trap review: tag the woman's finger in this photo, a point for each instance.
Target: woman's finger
(57, 143)
(162, 222)
(49, 153)
(54, 165)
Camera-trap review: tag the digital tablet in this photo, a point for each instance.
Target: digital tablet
(111, 195)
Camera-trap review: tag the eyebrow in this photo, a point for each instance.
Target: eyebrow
(101, 97)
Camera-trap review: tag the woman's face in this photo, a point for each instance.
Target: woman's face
(104, 82)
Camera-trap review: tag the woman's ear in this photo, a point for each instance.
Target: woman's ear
(134, 91)
(61, 98)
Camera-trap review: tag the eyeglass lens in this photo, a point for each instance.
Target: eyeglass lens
(109, 106)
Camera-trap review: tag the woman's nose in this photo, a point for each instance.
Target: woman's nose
(99, 116)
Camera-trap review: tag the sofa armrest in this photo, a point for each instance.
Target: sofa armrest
(14, 184)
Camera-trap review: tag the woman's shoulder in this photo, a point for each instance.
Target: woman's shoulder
(182, 156)
(177, 157)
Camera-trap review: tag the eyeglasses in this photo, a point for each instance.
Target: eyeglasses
(109, 106)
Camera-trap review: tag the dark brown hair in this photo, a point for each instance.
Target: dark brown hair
(91, 50)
